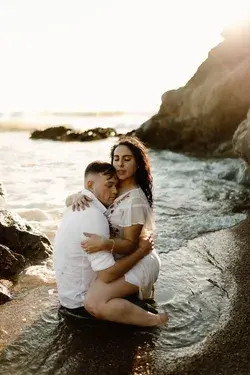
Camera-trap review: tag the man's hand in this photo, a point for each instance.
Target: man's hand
(146, 244)
(81, 202)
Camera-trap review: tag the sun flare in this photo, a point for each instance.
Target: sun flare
(86, 57)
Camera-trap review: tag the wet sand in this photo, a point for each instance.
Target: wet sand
(228, 351)
(109, 349)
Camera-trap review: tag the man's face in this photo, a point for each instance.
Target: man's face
(104, 188)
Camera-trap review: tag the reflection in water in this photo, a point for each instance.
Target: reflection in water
(55, 345)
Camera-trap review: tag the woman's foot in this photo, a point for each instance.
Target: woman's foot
(162, 319)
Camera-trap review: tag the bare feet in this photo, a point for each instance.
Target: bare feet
(162, 319)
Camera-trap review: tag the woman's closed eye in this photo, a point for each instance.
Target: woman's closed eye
(127, 158)
(110, 184)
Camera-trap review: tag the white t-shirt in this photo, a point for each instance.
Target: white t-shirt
(74, 268)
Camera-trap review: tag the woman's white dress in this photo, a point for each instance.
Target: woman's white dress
(129, 209)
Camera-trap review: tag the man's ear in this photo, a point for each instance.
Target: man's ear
(90, 185)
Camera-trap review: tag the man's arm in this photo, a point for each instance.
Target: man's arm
(124, 264)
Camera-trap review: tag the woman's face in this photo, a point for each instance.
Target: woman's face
(124, 162)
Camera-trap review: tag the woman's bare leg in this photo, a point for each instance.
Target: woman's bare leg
(104, 301)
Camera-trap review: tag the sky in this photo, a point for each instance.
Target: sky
(103, 55)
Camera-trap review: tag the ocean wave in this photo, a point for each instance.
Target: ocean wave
(15, 125)
(88, 114)
(78, 120)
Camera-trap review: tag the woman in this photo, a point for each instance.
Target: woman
(129, 216)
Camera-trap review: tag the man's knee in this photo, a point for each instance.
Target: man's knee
(94, 307)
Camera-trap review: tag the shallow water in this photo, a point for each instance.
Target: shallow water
(190, 200)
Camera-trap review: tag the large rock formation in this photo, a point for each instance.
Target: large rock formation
(20, 245)
(201, 117)
(20, 237)
(61, 133)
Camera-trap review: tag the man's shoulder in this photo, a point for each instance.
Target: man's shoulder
(91, 212)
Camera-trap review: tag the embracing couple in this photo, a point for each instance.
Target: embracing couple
(103, 254)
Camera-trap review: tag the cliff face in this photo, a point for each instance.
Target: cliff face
(201, 117)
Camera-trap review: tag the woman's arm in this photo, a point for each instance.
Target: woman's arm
(126, 245)
(71, 198)
(78, 201)
(132, 221)
(129, 243)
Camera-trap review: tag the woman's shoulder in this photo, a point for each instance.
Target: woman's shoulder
(137, 197)
(128, 198)
(140, 195)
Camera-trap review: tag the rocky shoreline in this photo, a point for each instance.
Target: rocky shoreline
(199, 119)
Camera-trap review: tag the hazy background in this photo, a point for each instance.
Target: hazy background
(104, 55)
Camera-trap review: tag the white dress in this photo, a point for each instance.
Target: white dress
(129, 209)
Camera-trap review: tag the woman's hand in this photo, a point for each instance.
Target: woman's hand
(81, 202)
(93, 243)
(146, 244)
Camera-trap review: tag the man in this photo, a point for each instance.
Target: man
(75, 269)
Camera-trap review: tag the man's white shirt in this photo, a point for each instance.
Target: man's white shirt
(74, 268)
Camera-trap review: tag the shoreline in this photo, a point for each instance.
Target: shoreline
(225, 351)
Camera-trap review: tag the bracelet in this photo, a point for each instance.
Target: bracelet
(112, 249)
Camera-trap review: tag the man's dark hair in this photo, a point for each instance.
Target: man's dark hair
(100, 167)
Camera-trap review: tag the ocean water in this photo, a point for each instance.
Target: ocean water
(191, 199)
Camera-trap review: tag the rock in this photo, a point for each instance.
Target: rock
(239, 173)
(204, 114)
(241, 145)
(62, 133)
(241, 139)
(5, 295)
(10, 263)
(21, 238)
(53, 133)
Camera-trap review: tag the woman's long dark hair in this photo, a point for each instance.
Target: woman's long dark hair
(143, 174)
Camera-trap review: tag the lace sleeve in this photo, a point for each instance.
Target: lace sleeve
(137, 211)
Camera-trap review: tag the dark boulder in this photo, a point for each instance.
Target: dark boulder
(10, 263)
(53, 133)
(21, 238)
(62, 133)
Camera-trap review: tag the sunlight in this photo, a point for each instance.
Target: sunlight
(236, 13)
(92, 57)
